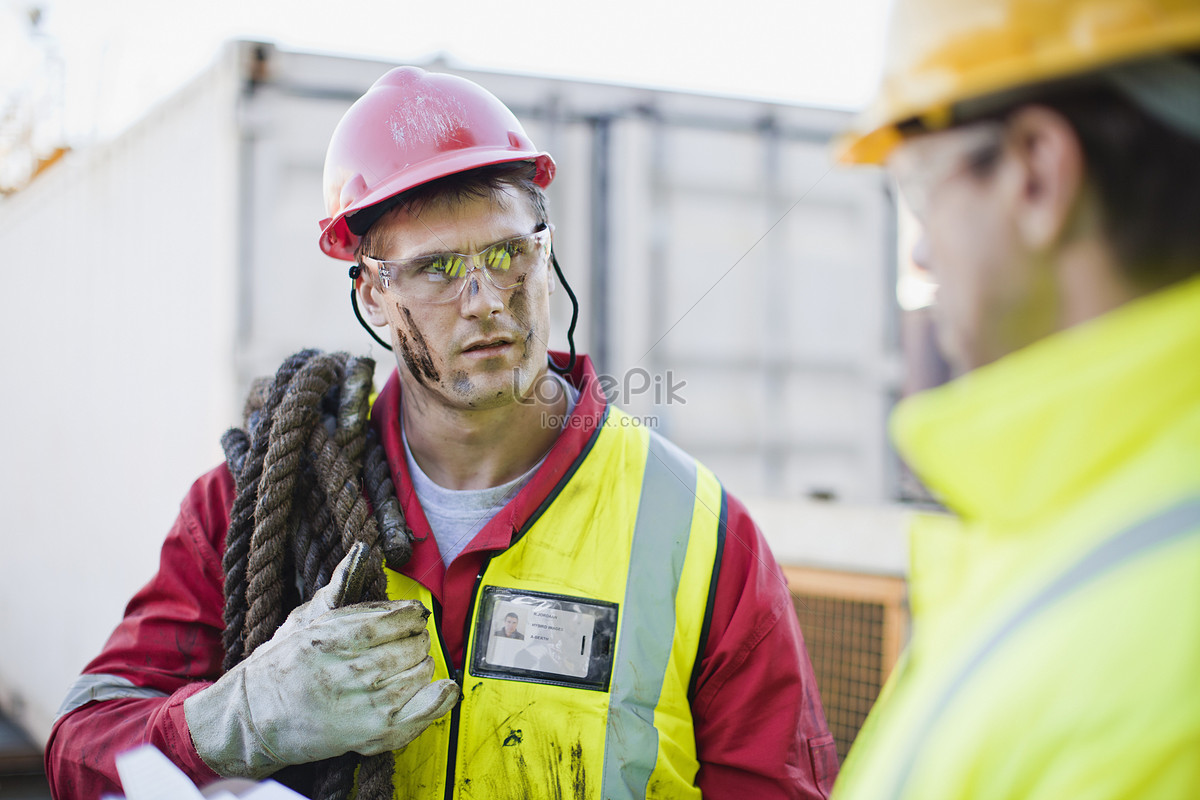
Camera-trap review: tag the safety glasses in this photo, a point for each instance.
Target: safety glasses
(440, 277)
(922, 165)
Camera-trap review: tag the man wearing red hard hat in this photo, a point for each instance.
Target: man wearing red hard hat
(659, 653)
(1051, 152)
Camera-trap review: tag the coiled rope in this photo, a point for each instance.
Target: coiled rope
(300, 467)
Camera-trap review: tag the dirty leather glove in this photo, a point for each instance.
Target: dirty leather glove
(330, 681)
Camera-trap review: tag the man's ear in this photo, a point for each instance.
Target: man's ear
(371, 298)
(1051, 166)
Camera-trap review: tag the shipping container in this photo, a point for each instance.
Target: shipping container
(736, 286)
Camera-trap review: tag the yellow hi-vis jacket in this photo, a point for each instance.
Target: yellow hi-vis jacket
(1055, 652)
(592, 700)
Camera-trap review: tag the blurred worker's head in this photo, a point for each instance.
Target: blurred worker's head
(510, 623)
(1050, 189)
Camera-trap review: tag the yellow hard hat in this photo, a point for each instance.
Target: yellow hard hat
(942, 52)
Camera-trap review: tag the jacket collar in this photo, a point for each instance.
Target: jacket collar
(1037, 428)
(426, 564)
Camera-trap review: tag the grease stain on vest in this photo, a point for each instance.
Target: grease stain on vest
(415, 350)
(532, 765)
(523, 771)
(578, 773)
(516, 780)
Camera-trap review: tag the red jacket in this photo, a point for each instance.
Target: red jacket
(760, 729)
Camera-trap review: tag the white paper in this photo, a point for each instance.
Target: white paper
(146, 774)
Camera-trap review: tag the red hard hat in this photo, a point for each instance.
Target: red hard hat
(412, 127)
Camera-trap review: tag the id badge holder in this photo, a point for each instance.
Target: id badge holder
(544, 638)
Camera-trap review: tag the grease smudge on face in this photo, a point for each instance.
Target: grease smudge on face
(518, 306)
(461, 382)
(518, 303)
(415, 350)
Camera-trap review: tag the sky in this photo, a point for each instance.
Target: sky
(121, 56)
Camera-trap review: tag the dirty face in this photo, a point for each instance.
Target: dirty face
(485, 349)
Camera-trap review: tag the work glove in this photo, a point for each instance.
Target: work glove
(330, 681)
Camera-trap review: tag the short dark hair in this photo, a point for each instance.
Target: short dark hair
(512, 614)
(1147, 174)
(481, 183)
(1148, 178)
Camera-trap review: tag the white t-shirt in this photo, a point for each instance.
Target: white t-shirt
(456, 515)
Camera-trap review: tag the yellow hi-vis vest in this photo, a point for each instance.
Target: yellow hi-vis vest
(1056, 625)
(612, 583)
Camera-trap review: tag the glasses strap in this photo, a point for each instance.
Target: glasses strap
(574, 318)
(355, 271)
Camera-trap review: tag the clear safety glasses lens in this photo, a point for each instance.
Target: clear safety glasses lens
(440, 277)
(921, 165)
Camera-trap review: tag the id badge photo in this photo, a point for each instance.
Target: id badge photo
(544, 638)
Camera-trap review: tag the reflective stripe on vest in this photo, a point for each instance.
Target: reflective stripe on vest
(1116, 551)
(636, 527)
(655, 564)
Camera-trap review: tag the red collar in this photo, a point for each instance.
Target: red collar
(426, 564)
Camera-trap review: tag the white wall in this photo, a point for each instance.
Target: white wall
(115, 317)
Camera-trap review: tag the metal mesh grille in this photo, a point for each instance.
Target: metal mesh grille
(845, 643)
(854, 626)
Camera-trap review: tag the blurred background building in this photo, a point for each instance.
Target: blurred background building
(739, 289)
